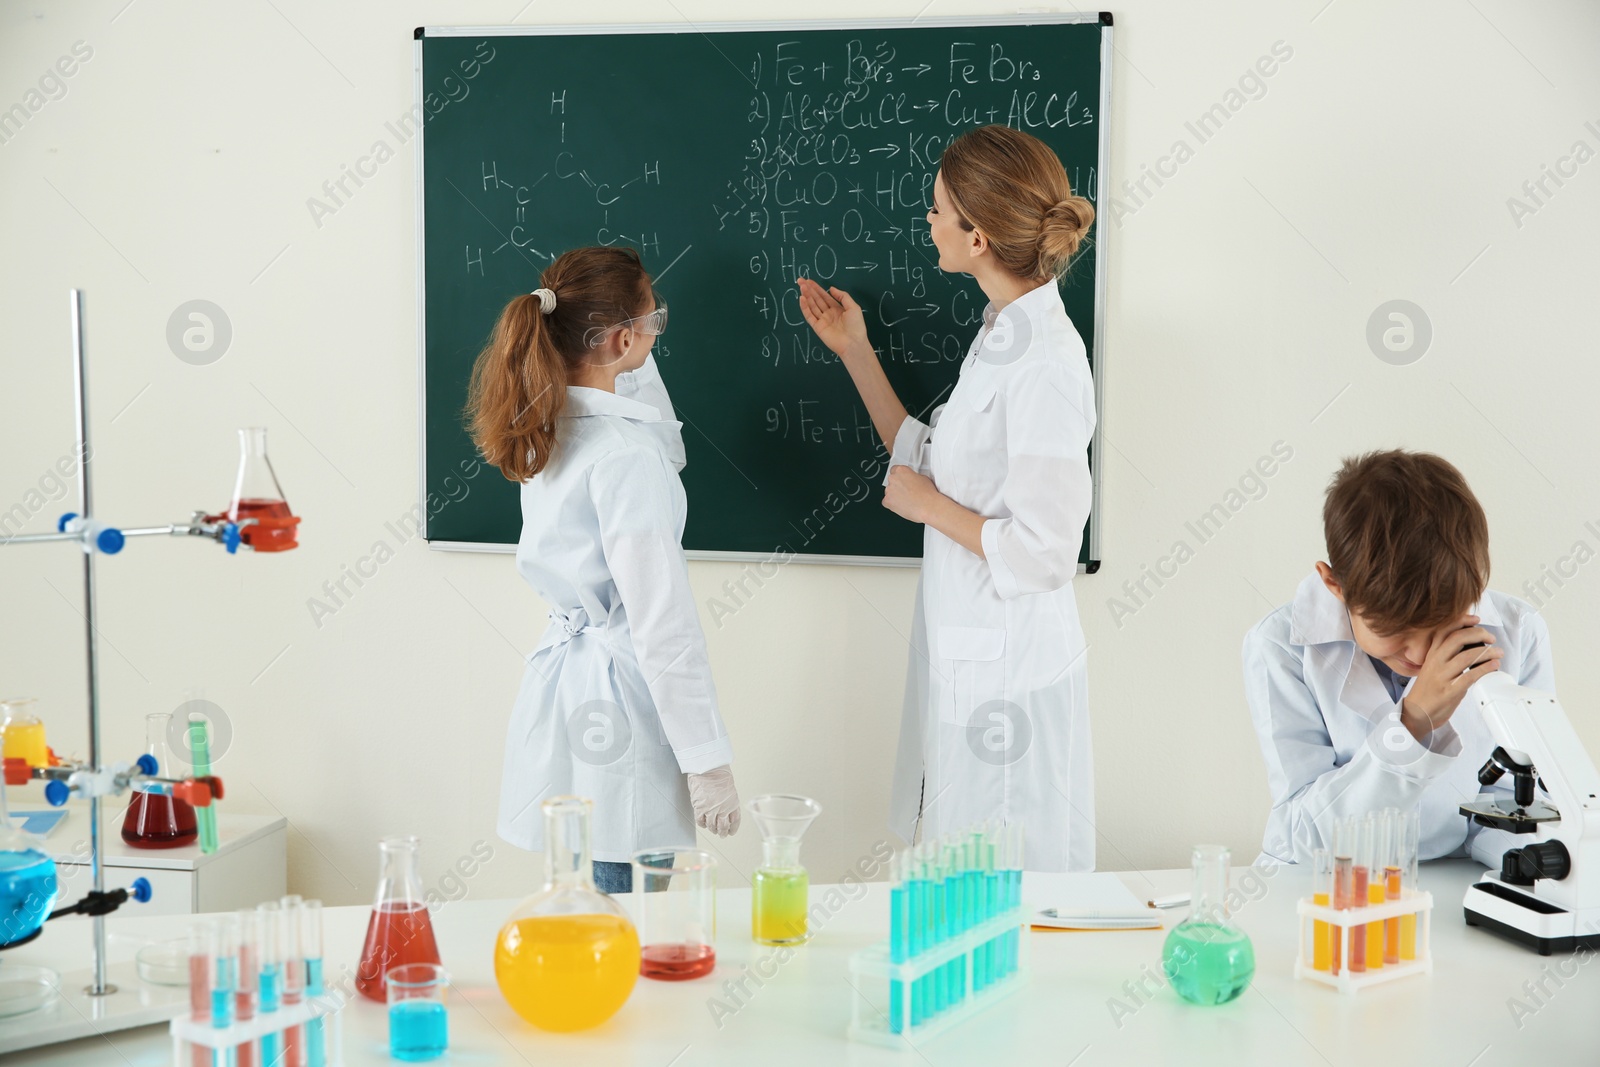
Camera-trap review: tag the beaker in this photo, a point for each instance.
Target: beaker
(779, 886)
(27, 880)
(400, 930)
(23, 733)
(1207, 958)
(257, 495)
(154, 820)
(568, 957)
(676, 895)
(419, 1029)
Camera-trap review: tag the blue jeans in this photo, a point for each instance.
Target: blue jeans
(613, 877)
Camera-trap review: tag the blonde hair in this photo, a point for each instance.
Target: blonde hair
(519, 382)
(1010, 185)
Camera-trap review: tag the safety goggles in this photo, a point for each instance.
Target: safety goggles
(653, 323)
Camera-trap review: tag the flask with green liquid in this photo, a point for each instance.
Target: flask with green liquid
(1207, 958)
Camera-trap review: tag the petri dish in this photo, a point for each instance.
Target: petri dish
(164, 963)
(24, 989)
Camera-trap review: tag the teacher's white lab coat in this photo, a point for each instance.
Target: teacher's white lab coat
(617, 702)
(1332, 738)
(996, 717)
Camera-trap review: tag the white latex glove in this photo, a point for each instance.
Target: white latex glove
(715, 801)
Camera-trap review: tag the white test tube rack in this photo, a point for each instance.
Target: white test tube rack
(876, 973)
(190, 1035)
(1353, 922)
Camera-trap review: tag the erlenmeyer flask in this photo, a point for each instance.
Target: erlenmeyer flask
(400, 930)
(780, 885)
(153, 820)
(27, 880)
(1207, 958)
(257, 495)
(569, 956)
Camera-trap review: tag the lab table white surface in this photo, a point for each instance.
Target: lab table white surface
(1081, 1006)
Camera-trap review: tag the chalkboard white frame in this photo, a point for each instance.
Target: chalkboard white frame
(1102, 232)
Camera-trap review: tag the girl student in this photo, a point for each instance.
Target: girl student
(617, 702)
(996, 720)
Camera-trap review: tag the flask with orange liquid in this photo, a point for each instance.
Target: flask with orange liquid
(568, 957)
(155, 820)
(258, 504)
(400, 929)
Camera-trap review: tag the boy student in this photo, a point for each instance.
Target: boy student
(1357, 686)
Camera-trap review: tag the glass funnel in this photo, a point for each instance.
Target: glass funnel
(27, 880)
(257, 495)
(779, 887)
(568, 957)
(154, 820)
(400, 929)
(1207, 958)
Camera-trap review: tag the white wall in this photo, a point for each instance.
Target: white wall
(178, 164)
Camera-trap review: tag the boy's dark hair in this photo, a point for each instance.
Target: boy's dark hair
(1407, 540)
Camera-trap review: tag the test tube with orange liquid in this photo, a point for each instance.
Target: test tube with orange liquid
(1321, 893)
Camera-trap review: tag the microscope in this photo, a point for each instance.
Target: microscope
(1546, 894)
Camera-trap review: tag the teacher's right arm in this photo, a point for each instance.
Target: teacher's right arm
(838, 323)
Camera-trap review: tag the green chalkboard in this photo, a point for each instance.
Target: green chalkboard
(735, 158)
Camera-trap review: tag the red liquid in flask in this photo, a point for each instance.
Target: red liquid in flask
(266, 535)
(676, 963)
(396, 934)
(156, 821)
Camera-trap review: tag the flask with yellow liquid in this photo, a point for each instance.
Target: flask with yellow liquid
(569, 956)
(23, 732)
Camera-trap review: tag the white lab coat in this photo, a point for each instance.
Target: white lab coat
(996, 717)
(617, 702)
(1332, 738)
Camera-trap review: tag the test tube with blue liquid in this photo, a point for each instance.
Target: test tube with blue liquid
(271, 980)
(898, 914)
(311, 948)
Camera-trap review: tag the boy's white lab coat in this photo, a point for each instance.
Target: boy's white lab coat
(617, 703)
(1332, 737)
(996, 717)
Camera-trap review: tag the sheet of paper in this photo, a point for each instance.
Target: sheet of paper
(1095, 901)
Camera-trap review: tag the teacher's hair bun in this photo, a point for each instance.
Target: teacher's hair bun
(1062, 230)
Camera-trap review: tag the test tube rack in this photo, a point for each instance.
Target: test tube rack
(1351, 923)
(968, 988)
(191, 1036)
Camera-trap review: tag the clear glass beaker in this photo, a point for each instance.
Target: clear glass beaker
(418, 1025)
(154, 820)
(779, 887)
(400, 930)
(675, 892)
(1207, 958)
(23, 732)
(568, 957)
(257, 495)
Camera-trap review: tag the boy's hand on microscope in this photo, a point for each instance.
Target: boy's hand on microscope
(1457, 659)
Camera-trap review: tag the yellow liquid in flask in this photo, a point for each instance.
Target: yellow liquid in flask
(567, 972)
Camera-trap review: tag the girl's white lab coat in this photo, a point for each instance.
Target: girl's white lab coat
(996, 718)
(1332, 737)
(617, 703)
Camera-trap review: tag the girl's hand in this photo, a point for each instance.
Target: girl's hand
(910, 495)
(835, 317)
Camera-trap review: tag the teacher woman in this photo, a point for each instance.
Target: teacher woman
(996, 719)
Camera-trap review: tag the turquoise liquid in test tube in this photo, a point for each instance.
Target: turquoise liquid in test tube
(271, 982)
(311, 947)
(899, 913)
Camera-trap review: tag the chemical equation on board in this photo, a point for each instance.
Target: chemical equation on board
(837, 178)
(803, 421)
(566, 188)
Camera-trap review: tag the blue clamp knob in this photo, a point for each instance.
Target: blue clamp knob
(141, 891)
(56, 792)
(110, 541)
(147, 765)
(61, 523)
(230, 537)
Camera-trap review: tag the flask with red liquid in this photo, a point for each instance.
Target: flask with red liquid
(258, 496)
(153, 820)
(400, 930)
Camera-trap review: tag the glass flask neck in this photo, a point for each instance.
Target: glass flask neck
(781, 853)
(1210, 891)
(566, 843)
(399, 874)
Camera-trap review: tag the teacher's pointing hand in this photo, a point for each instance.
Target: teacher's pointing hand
(835, 317)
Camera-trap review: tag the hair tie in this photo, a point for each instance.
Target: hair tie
(547, 300)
